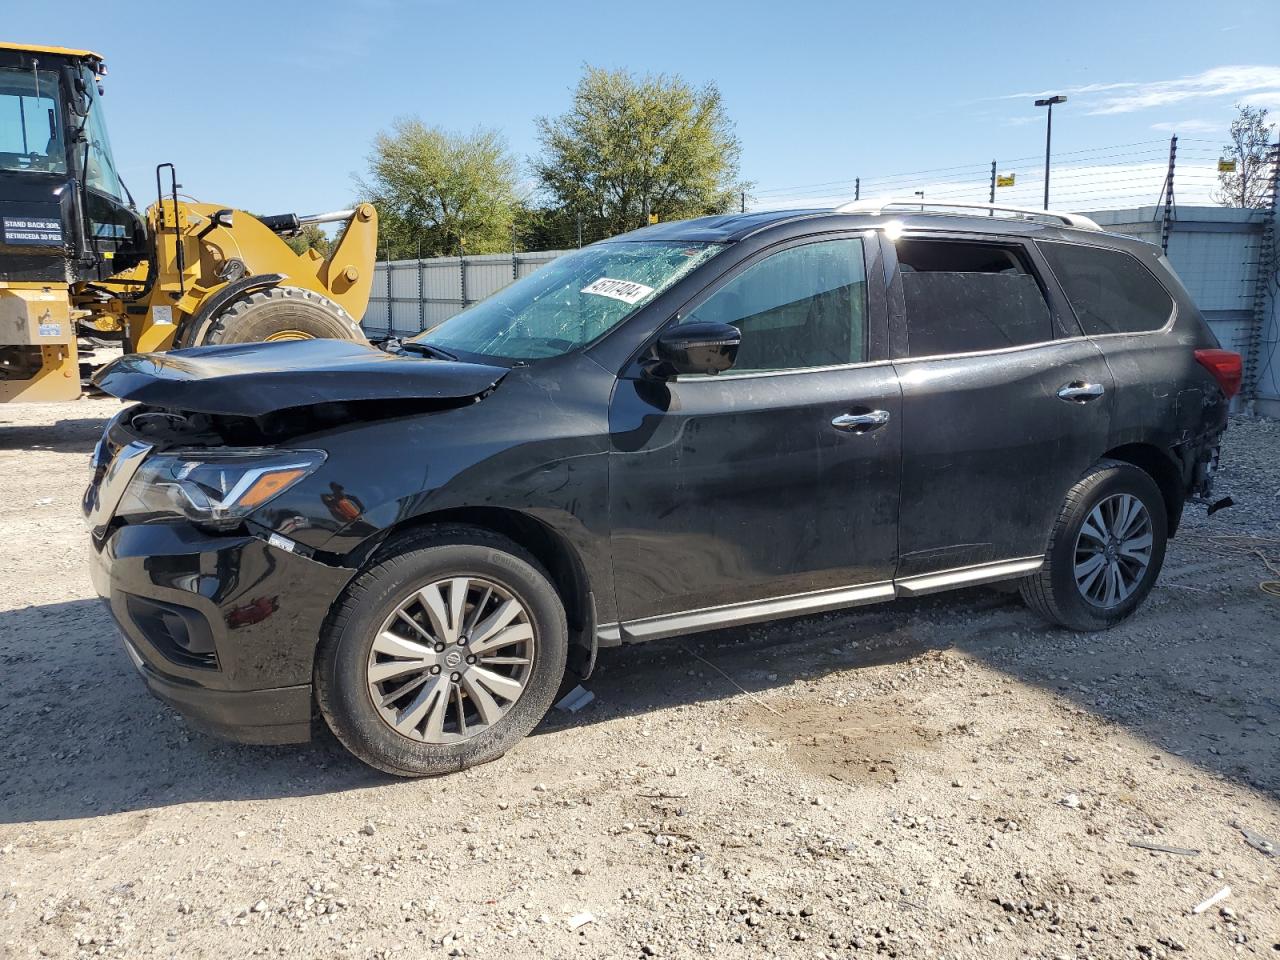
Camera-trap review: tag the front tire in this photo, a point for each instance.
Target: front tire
(1105, 551)
(282, 313)
(442, 655)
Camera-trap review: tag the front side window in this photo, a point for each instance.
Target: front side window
(30, 121)
(963, 297)
(570, 302)
(802, 307)
(1110, 291)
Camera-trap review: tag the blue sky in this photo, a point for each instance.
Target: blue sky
(271, 106)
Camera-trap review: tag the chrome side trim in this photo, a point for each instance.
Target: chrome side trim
(967, 576)
(609, 635)
(748, 374)
(796, 604)
(753, 611)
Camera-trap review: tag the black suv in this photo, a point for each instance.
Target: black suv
(698, 424)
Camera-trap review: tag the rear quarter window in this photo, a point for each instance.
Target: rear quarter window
(1109, 290)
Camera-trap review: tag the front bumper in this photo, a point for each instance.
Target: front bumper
(222, 628)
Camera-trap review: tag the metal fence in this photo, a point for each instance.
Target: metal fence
(414, 295)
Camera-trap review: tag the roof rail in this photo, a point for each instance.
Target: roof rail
(878, 205)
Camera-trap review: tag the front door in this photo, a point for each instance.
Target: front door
(773, 488)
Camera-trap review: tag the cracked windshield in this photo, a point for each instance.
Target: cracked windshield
(569, 302)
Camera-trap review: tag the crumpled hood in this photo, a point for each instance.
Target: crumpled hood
(252, 379)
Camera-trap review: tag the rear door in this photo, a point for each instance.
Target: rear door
(1004, 404)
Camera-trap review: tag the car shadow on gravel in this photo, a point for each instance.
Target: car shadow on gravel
(81, 737)
(1189, 677)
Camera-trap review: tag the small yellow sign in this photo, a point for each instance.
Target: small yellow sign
(1006, 179)
(1226, 166)
(653, 218)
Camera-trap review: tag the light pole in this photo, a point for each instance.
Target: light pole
(1048, 138)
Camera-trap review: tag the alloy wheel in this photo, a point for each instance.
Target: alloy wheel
(451, 660)
(1113, 550)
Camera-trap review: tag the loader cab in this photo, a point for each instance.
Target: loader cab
(65, 214)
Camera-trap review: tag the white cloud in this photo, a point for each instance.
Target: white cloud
(1191, 126)
(1267, 98)
(1239, 81)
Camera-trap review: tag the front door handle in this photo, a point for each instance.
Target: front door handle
(1079, 391)
(861, 422)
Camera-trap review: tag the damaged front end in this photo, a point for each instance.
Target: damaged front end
(210, 437)
(221, 609)
(257, 380)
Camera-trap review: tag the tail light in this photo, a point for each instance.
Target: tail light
(1225, 367)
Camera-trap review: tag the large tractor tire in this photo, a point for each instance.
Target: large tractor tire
(282, 313)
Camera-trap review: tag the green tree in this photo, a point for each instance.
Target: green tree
(631, 146)
(1249, 148)
(310, 237)
(439, 192)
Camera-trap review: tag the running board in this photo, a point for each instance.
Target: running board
(818, 601)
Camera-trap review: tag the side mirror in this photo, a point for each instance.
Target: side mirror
(697, 347)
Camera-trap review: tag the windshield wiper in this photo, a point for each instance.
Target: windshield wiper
(417, 346)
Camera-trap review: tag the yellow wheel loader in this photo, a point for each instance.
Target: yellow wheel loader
(76, 256)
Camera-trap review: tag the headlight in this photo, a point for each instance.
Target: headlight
(215, 489)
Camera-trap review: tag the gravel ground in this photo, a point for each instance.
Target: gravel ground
(941, 778)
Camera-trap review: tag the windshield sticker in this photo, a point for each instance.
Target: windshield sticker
(628, 291)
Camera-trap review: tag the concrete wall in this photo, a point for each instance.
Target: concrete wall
(1214, 249)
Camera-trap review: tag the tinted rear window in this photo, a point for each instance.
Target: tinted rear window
(1110, 291)
(963, 297)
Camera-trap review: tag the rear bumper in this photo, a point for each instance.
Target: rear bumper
(222, 628)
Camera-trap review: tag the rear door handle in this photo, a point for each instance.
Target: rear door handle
(861, 422)
(1079, 391)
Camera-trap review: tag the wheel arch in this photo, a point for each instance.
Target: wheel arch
(1161, 467)
(191, 330)
(549, 547)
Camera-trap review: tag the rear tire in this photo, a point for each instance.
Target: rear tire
(282, 313)
(357, 680)
(1071, 588)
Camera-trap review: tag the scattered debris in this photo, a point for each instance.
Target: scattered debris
(575, 699)
(581, 920)
(1162, 848)
(1070, 800)
(1215, 899)
(1257, 841)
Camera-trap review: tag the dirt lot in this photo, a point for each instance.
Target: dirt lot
(929, 779)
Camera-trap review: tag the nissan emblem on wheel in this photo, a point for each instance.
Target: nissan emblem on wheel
(700, 424)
